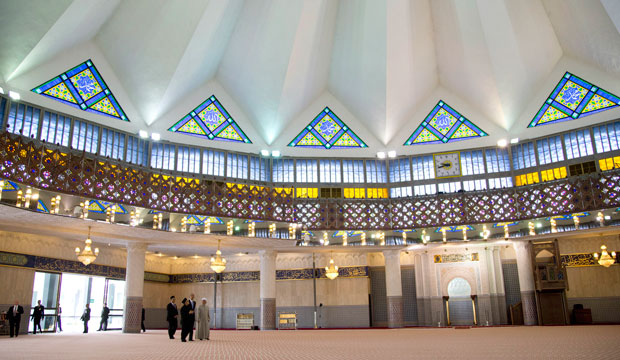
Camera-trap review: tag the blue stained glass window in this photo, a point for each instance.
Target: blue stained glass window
(213, 162)
(353, 171)
(306, 171)
(210, 120)
(571, 99)
(283, 170)
(577, 144)
(443, 125)
(376, 171)
(237, 166)
(550, 150)
(497, 160)
(472, 162)
(523, 156)
(330, 171)
(85, 136)
(137, 151)
(188, 159)
(423, 168)
(3, 102)
(83, 87)
(23, 120)
(607, 137)
(327, 131)
(55, 128)
(259, 168)
(162, 156)
(112, 144)
(400, 170)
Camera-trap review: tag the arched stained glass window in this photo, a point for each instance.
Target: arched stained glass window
(327, 131)
(442, 125)
(571, 99)
(210, 120)
(84, 88)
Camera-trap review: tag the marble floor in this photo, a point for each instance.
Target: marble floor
(559, 342)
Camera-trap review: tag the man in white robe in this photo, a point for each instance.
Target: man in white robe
(202, 320)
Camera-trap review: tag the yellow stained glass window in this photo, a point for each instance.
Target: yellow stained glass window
(609, 163)
(311, 193)
(354, 193)
(377, 193)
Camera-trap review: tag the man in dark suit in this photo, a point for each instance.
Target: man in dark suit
(171, 317)
(37, 314)
(15, 317)
(192, 316)
(85, 317)
(105, 313)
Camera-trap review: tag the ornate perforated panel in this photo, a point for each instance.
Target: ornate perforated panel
(46, 166)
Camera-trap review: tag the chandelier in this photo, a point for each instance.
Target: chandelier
(87, 256)
(218, 264)
(605, 259)
(331, 271)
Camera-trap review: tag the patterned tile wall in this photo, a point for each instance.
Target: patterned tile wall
(410, 303)
(378, 296)
(511, 283)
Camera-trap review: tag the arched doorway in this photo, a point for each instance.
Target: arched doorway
(460, 303)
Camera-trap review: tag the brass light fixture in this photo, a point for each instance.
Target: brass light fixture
(600, 217)
(218, 264)
(443, 234)
(207, 229)
(331, 271)
(229, 227)
(272, 230)
(184, 224)
(506, 232)
(87, 256)
(404, 236)
(252, 229)
(605, 259)
(325, 238)
(465, 234)
(1, 188)
(382, 238)
(576, 221)
(485, 232)
(345, 241)
(532, 228)
(554, 226)
(363, 238)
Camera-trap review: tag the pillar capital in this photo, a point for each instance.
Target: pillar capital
(393, 254)
(137, 246)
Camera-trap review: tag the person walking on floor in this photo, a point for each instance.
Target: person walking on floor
(105, 313)
(186, 319)
(85, 318)
(192, 315)
(37, 315)
(202, 320)
(15, 317)
(171, 317)
(58, 320)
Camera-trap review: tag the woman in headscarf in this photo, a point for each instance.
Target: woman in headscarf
(186, 319)
(202, 320)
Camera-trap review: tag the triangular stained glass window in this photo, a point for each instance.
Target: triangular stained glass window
(327, 131)
(443, 125)
(10, 186)
(211, 121)
(41, 207)
(501, 224)
(101, 207)
(84, 88)
(571, 99)
(349, 233)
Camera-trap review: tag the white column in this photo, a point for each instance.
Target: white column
(134, 287)
(393, 288)
(268, 289)
(526, 281)
(420, 291)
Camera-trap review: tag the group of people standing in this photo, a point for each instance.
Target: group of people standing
(190, 314)
(38, 313)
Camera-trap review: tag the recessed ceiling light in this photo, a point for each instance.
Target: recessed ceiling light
(381, 155)
(502, 142)
(143, 134)
(155, 136)
(514, 140)
(275, 153)
(392, 154)
(14, 95)
(264, 152)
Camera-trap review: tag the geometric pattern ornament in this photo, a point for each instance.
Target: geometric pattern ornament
(568, 216)
(571, 99)
(100, 207)
(349, 233)
(456, 228)
(200, 219)
(41, 207)
(83, 87)
(10, 186)
(443, 125)
(327, 131)
(501, 224)
(404, 231)
(210, 121)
